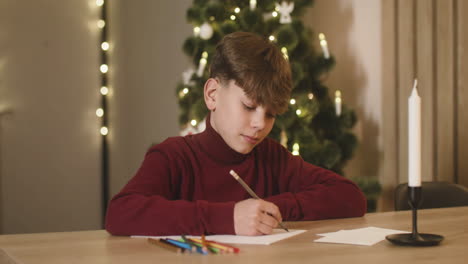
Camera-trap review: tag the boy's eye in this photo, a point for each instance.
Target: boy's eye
(247, 107)
(271, 116)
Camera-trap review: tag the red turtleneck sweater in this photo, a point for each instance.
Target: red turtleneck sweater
(184, 187)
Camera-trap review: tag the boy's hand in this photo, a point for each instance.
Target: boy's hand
(254, 217)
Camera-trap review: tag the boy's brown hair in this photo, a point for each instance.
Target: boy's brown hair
(257, 66)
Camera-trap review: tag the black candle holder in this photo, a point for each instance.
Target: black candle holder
(415, 238)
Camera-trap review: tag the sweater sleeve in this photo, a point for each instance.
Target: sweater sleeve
(150, 204)
(308, 192)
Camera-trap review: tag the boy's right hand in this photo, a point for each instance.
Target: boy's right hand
(254, 217)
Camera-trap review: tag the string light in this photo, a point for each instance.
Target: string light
(295, 151)
(196, 31)
(298, 112)
(100, 112)
(105, 46)
(271, 38)
(104, 90)
(104, 68)
(274, 14)
(233, 17)
(311, 96)
(101, 24)
(324, 45)
(237, 10)
(193, 122)
(104, 131)
(292, 101)
(183, 92)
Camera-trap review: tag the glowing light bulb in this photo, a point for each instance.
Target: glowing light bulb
(274, 14)
(237, 10)
(105, 46)
(99, 2)
(100, 112)
(233, 17)
(298, 112)
(104, 131)
(271, 38)
(311, 96)
(185, 90)
(295, 151)
(284, 50)
(292, 101)
(193, 122)
(104, 68)
(104, 90)
(205, 54)
(101, 23)
(196, 31)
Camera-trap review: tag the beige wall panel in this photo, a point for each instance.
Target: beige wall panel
(389, 177)
(425, 74)
(406, 74)
(462, 92)
(445, 92)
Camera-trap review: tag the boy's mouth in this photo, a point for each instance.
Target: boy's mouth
(251, 140)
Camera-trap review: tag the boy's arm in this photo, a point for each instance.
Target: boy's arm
(149, 205)
(308, 192)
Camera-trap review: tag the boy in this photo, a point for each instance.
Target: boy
(184, 185)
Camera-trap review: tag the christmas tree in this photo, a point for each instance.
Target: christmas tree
(317, 125)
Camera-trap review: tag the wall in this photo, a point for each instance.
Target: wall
(49, 141)
(354, 36)
(146, 62)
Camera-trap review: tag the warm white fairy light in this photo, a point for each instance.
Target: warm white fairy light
(311, 96)
(183, 92)
(99, 2)
(193, 122)
(298, 112)
(271, 38)
(104, 68)
(274, 14)
(104, 131)
(104, 90)
(196, 31)
(101, 23)
(295, 151)
(237, 10)
(100, 112)
(105, 46)
(292, 101)
(233, 17)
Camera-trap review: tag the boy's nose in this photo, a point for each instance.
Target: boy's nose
(258, 122)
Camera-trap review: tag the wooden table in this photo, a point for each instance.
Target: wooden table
(100, 247)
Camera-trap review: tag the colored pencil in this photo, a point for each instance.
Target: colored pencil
(165, 245)
(181, 244)
(251, 192)
(199, 247)
(218, 245)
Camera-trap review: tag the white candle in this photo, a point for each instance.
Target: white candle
(324, 45)
(338, 102)
(414, 138)
(253, 4)
(202, 64)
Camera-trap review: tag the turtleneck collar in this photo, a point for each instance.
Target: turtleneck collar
(214, 146)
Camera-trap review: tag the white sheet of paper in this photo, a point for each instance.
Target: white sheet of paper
(278, 234)
(366, 236)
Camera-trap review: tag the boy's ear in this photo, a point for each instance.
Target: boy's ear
(210, 91)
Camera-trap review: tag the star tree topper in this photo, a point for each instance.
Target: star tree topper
(285, 10)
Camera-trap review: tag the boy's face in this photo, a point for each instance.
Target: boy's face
(240, 121)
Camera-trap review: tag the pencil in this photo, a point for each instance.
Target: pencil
(251, 192)
(199, 248)
(166, 245)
